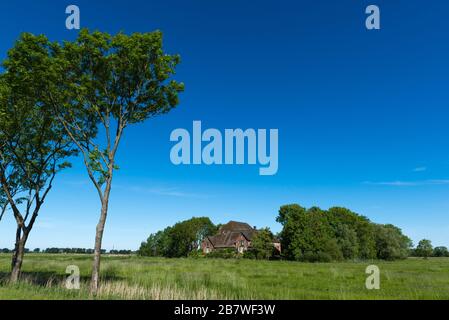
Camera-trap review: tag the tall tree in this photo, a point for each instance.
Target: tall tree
(101, 85)
(155, 246)
(424, 249)
(306, 234)
(291, 217)
(33, 145)
(262, 244)
(391, 243)
(97, 86)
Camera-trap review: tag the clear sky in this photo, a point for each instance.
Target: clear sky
(362, 115)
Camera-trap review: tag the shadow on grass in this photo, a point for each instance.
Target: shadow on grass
(45, 279)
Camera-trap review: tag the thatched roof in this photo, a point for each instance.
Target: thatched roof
(229, 233)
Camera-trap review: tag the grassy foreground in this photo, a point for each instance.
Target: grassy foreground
(157, 278)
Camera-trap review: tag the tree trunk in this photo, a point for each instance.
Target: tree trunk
(17, 259)
(16, 247)
(95, 282)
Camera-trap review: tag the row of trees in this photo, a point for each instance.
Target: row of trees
(338, 234)
(59, 100)
(312, 235)
(179, 240)
(69, 251)
(425, 249)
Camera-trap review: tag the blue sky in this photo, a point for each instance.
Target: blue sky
(362, 115)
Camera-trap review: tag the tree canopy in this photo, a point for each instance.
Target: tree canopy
(337, 234)
(179, 240)
(262, 244)
(440, 252)
(424, 248)
(33, 148)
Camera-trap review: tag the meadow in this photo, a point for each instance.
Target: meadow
(132, 277)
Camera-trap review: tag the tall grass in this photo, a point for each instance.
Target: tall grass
(135, 278)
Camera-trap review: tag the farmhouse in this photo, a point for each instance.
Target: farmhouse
(233, 235)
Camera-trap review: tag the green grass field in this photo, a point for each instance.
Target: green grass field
(157, 278)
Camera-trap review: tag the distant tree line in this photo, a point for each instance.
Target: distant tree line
(70, 251)
(425, 249)
(310, 235)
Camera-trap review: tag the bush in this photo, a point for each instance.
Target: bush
(316, 257)
(249, 254)
(223, 254)
(196, 254)
(332, 250)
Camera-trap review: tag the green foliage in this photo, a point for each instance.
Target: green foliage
(292, 218)
(112, 82)
(179, 240)
(307, 234)
(262, 245)
(391, 244)
(337, 234)
(90, 90)
(227, 253)
(97, 83)
(347, 241)
(156, 244)
(440, 252)
(196, 254)
(354, 233)
(33, 144)
(249, 254)
(424, 249)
